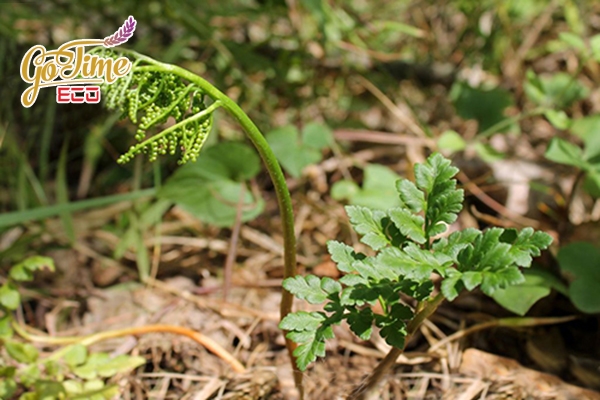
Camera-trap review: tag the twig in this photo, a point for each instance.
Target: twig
(502, 322)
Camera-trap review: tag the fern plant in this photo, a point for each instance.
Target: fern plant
(154, 92)
(407, 249)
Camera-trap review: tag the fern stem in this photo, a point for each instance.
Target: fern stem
(368, 390)
(277, 177)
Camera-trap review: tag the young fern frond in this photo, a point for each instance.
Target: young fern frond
(149, 96)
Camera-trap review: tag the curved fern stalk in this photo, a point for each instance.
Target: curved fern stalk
(152, 93)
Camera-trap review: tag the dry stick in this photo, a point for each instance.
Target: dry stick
(502, 322)
(368, 390)
(232, 252)
(493, 204)
(89, 340)
(394, 109)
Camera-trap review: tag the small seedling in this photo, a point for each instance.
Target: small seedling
(409, 244)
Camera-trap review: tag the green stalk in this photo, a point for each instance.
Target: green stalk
(281, 190)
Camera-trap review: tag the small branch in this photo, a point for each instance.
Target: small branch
(199, 338)
(368, 390)
(502, 322)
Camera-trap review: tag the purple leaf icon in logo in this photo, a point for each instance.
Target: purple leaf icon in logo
(122, 35)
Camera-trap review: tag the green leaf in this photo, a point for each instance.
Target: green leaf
(563, 152)
(21, 352)
(527, 243)
(344, 190)
(573, 40)
(581, 261)
(8, 388)
(559, 119)
(559, 90)
(520, 298)
(293, 155)
(317, 136)
(457, 241)
(311, 347)
(595, 45)
(377, 191)
(24, 270)
(409, 224)
(49, 390)
(493, 280)
(452, 285)
(306, 288)
(210, 189)
(302, 321)
(410, 196)
(6, 331)
(102, 365)
(369, 224)
(451, 141)
(9, 296)
(484, 105)
(361, 323)
(75, 355)
(343, 255)
(412, 262)
(487, 153)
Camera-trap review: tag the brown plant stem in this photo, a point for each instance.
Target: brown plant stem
(368, 389)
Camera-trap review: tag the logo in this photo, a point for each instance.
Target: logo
(74, 73)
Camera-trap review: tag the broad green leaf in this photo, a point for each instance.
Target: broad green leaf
(377, 191)
(520, 298)
(559, 119)
(293, 155)
(410, 196)
(208, 189)
(240, 160)
(484, 105)
(344, 190)
(343, 255)
(6, 331)
(581, 261)
(487, 153)
(49, 390)
(563, 152)
(102, 365)
(409, 224)
(75, 355)
(119, 364)
(369, 224)
(8, 387)
(317, 136)
(9, 296)
(306, 288)
(558, 90)
(21, 352)
(451, 141)
(573, 40)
